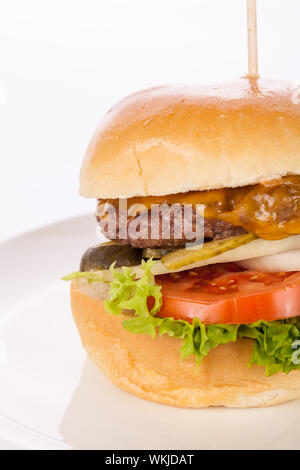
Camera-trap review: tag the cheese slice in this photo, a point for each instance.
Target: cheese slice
(253, 249)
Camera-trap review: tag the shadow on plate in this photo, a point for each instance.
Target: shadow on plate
(102, 416)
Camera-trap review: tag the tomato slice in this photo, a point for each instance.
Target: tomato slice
(226, 293)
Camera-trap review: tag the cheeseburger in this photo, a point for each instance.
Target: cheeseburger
(194, 299)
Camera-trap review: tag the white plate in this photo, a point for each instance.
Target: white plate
(53, 397)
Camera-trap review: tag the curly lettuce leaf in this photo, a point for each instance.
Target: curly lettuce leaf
(274, 345)
(274, 342)
(90, 276)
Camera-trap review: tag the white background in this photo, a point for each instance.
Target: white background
(63, 63)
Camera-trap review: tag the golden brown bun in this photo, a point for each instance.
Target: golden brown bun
(168, 140)
(152, 369)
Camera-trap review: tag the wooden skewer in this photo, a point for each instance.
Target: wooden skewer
(252, 39)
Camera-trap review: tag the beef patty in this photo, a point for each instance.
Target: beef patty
(213, 229)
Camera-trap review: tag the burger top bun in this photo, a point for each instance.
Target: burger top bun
(168, 139)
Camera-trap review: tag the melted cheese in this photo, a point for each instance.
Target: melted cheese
(271, 209)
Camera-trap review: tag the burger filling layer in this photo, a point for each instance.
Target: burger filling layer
(270, 210)
(209, 305)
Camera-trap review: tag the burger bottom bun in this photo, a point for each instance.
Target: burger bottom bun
(153, 370)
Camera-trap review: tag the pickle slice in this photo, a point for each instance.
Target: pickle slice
(183, 257)
(102, 256)
(155, 253)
